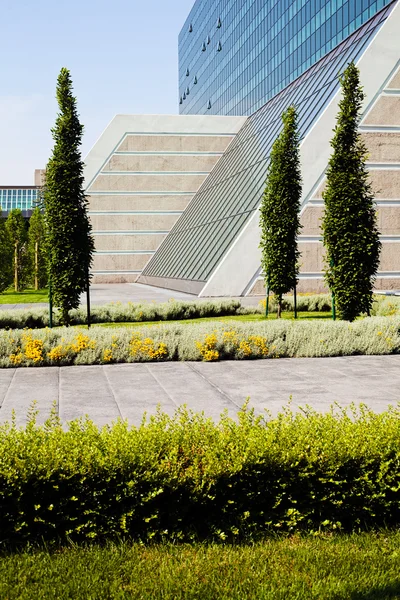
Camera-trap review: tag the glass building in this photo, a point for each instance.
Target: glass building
(24, 198)
(256, 58)
(235, 55)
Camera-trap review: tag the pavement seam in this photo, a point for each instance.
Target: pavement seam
(221, 392)
(112, 391)
(9, 387)
(161, 385)
(59, 392)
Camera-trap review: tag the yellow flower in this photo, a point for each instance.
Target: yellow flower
(33, 347)
(56, 353)
(107, 355)
(208, 349)
(82, 342)
(16, 358)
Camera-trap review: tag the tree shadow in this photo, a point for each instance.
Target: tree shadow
(389, 591)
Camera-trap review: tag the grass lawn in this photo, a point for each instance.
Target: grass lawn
(242, 318)
(356, 567)
(28, 296)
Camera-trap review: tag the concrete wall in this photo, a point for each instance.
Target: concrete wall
(140, 177)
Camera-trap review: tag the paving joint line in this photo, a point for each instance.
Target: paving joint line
(112, 391)
(9, 387)
(221, 392)
(161, 386)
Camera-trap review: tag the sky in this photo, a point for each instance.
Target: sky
(122, 55)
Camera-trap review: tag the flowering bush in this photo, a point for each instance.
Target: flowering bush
(235, 341)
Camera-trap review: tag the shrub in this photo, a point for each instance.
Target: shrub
(200, 341)
(186, 477)
(125, 313)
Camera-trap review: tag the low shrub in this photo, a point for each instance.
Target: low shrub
(186, 478)
(305, 303)
(199, 341)
(116, 312)
(386, 306)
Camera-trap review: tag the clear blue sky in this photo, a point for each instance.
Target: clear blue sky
(123, 58)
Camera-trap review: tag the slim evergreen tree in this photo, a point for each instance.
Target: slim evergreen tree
(6, 257)
(37, 249)
(69, 239)
(279, 211)
(17, 235)
(350, 233)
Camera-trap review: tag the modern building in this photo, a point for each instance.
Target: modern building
(235, 55)
(140, 176)
(213, 248)
(20, 196)
(174, 199)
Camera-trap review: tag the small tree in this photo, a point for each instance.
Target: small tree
(279, 211)
(6, 257)
(70, 244)
(17, 235)
(350, 233)
(37, 249)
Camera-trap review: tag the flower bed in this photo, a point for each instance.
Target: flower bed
(201, 341)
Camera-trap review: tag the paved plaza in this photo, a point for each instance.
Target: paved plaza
(104, 293)
(106, 393)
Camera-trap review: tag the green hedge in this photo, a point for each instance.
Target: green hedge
(188, 478)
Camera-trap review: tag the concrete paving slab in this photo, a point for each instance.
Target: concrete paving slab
(29, 385)
(184, 384)
(137, 391)
(6, 376)
(85, 391)
(106, 393)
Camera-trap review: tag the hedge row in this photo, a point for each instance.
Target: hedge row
(116, 312)
(188, 478)
(200, 341)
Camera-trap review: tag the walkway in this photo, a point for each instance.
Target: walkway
(108, 392)
(103, 293)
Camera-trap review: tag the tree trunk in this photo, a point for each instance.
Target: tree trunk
(36, 264)
(65, 317)
(16, 266)
(279, 310)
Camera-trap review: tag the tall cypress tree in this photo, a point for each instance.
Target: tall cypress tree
(70, 244)
(279, 211)
(350, 233)
(6, 257)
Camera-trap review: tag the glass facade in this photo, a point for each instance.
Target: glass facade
(23, 198)
(235, 55)
(233, 190)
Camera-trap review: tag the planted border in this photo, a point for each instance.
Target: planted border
(199, 341)
(186, 478)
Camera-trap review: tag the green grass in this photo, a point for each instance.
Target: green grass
(241, 318)
(356, 567)
(28, 296)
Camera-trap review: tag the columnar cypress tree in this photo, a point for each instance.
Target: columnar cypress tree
(6, 257)
(279, 211)
(70, 244)
(37, 249)
(350, 233)
(17, 235)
